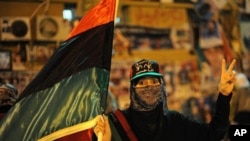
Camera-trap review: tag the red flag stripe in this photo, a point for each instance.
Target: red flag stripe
(103, 8)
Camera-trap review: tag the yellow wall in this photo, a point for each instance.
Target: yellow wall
(27, 8)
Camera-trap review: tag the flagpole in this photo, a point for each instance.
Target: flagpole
(116, 8)
(100, 134)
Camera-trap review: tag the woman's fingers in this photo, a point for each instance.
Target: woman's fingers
(223, 66)
(231, 66)
(100, 126)
(227, 81)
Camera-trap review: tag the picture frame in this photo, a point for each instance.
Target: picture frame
(5, 60)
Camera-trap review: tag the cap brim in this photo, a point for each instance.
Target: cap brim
(146, 74)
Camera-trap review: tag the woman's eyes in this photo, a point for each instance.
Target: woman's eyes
(144, 82)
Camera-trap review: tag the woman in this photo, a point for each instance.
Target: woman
(147, 118)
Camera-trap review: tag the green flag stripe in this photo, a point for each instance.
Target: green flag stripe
(71, 101)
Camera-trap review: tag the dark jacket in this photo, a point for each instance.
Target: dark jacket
(173, 126)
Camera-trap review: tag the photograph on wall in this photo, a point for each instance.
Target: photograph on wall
(210, 34)
(18, 63)
(19, 57)
(43, 52)
(245, 34)
(5, 60)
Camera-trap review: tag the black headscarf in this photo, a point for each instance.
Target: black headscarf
(147, 123)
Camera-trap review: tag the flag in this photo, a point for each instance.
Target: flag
(72, 86)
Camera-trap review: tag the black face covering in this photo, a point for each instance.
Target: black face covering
(146, 112)
(146, 98)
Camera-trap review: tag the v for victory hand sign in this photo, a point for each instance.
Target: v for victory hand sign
(228, 79)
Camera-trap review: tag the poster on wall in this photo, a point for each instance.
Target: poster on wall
(210, 34)
(5, 60)
(245, 30)
(144, 38)
(157, 17)
(17, 57)
(167, 28)
(39, 54)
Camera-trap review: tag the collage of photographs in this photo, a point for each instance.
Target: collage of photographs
(139, 70)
